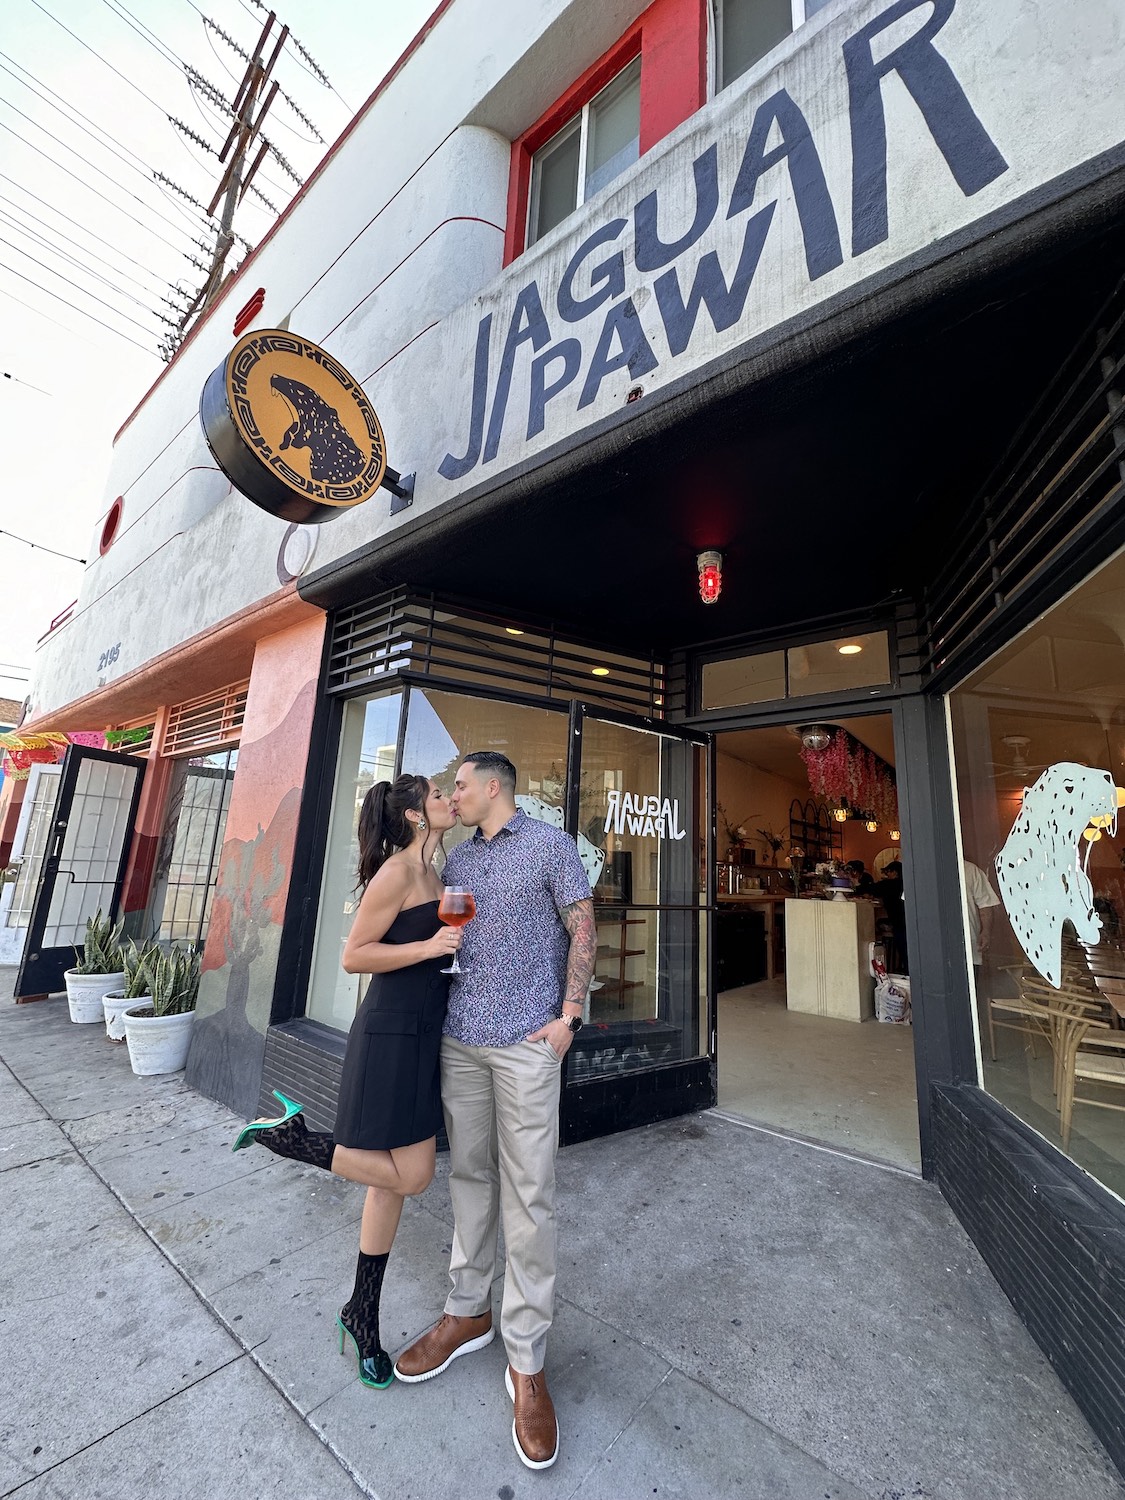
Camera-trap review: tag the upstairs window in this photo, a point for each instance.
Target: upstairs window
(748, 29)
(592, 148)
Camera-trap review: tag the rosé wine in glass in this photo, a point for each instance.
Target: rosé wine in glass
(455, 909)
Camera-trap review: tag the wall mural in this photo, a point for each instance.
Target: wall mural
(1042, 866)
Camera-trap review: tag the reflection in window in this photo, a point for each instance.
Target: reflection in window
(836, 666)
(188, 864)
(1039, 742)
(367, 755)
(748, 29)
(587, 153)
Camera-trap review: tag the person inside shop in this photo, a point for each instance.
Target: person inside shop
(981, 901)
(513, 1013)
(862, 881)
(389, 1106)
(889, 891)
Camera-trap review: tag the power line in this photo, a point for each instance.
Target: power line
(78, 287)
(39, 313)
(68, 239)
(43, 202)
(98, 55)
(7, 376)
(97, 193)
(74, 308)
(85, 160)
(62, 254)
(38, 546)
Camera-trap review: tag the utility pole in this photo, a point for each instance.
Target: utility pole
(237, 178)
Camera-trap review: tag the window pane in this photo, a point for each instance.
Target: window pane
(1039, 748)
(812, 6)
(744, 679)
(640, 802)
(615, 129)
(367, 755)
(750, 29)
(554, 182)
(187, 866)
(831, 666)
(442, 728)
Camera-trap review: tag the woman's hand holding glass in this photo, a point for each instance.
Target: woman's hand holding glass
(444, 943)
(455, 909)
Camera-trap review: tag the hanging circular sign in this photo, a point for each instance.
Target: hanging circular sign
(291, 429)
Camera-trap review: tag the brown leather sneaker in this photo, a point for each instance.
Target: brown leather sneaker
(435, 1351)
(535, 1428)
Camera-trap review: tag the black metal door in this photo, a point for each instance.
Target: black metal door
(84, 864)
(640, 797)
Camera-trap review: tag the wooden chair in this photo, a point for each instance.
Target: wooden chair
(1088, 1055)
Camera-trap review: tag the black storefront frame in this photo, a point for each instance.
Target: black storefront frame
(304, 1056)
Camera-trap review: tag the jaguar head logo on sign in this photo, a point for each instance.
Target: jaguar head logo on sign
(292, 429)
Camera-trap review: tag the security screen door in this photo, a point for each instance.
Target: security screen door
(84, 866)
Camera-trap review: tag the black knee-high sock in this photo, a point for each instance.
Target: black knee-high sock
(298, 1143)
(360, 1314)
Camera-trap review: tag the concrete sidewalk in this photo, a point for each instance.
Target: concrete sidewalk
(740, 1315)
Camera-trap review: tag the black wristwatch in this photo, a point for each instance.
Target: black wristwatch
(572, 1023)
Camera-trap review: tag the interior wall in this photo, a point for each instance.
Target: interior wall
(753, 798)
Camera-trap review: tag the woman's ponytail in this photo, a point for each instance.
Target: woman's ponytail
(383, 824)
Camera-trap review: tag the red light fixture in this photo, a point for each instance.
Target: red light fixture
(710, 565)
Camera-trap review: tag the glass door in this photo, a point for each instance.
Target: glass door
(639, 805)
(87, 846)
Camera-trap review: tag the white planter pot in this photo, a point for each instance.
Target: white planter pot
(157, 1044)
(84, 994)
(114, 1006)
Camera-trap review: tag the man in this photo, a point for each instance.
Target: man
(981, 901)
(527, 959)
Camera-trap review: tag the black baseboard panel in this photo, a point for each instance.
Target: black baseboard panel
(632, 1099)
(303, 1060)
(1054, 1240)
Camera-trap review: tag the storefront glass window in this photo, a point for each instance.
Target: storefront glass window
(367, 755)
(1039, 743)
(188, 864)
(816, 667)
(640, 800)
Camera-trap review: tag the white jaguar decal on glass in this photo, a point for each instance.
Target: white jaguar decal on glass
(1043, 882)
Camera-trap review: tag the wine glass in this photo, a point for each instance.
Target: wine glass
(455, 908)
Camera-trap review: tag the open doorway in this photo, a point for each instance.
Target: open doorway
(809, 886)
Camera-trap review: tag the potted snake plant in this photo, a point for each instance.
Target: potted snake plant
(98, 970)
(158, 1027)
(137, 960)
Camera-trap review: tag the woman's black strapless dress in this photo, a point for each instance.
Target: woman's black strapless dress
(390, 1093)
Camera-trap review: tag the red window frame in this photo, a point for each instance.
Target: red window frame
(670, 38)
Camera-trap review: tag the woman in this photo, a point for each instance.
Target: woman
(389, 1106)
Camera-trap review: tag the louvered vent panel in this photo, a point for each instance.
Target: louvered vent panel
(208, 722)
(457, 643)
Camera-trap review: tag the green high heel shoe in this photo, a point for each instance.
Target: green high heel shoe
(376, 1370)
(247, 1133)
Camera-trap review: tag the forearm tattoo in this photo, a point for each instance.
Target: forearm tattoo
(578, 920)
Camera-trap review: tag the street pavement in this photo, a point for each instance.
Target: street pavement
(740, 1314)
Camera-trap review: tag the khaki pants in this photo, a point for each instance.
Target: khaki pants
(502, 1117)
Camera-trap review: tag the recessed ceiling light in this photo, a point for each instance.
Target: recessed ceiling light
(850, 650)
(600, 671)
(510, 631)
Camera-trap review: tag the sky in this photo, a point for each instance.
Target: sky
(86, 88)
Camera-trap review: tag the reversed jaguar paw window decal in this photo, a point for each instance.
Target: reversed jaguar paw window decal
(1041, 869)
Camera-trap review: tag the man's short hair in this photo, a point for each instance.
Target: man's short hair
(491, 763)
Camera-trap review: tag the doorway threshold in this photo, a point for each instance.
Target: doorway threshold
(814, 1145)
